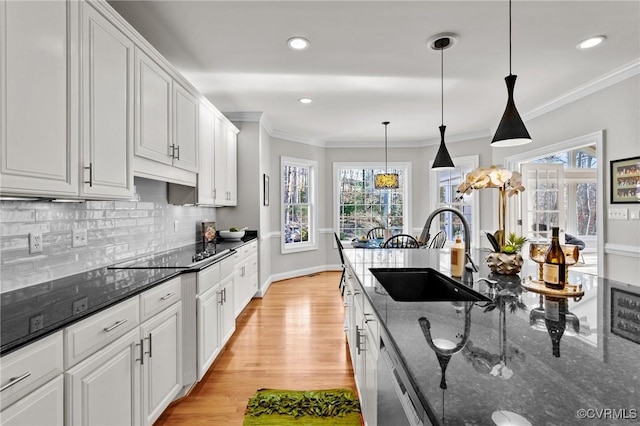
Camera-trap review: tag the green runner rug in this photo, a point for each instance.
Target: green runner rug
(287, 407)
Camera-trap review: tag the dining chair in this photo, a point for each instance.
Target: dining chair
(438, 240)
(377, 232)
(401, 241)
(340, 248)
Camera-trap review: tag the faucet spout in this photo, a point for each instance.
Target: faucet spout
(469, 267)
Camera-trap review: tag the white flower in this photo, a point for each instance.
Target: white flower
(502, 371)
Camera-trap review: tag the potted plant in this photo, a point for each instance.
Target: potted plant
(505, 258)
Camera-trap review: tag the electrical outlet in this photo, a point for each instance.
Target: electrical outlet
(35, 242)
(78, 237)
(618, 214)
(80, 305)
(36, 323)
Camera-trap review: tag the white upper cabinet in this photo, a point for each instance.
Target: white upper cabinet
(185, 129)
(225, 159)
(153, 110)
(206, 140)
(107, 108)
(38, 92)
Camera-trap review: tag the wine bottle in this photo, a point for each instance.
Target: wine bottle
(457, 257)
(555, 319)
(553, 270)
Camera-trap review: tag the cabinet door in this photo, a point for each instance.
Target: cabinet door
(220, 158)
(153, 110)
(104, 389)
(38, 92)
(232, 167)
(206, 137)
(208, 329)
(370, 396)
(44, 406)
(107, 107)
(185, 128)
(162, 367)
(227, 312)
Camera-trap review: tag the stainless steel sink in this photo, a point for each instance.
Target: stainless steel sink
(423, 285)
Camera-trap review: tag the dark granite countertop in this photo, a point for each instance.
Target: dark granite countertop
(598, 367)
(67, 300)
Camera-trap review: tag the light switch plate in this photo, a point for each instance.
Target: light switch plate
(618, 214)
(634, 214)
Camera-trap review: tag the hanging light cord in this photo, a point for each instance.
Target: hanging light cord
(442, 86)
(509, 37)
(385, 146)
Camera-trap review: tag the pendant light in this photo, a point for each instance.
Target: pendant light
(443, 159)
(386, 180)
(511, 130)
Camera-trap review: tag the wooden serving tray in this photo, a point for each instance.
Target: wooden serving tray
(570, 290)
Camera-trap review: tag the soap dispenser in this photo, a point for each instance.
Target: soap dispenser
(457, 257)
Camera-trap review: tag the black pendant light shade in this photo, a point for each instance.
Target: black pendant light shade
(511, 130)
(443, 159)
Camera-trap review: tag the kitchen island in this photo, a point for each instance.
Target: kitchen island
(506, 366)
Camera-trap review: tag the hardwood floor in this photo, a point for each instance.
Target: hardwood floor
(291, 339)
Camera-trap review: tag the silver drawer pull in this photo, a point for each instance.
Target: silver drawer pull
(168, 296)
(116, 325)
(15, 380)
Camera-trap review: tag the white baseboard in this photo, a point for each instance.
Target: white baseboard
(622, 250)
(302, 272)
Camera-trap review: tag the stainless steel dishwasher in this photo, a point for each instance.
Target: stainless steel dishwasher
(396, 398)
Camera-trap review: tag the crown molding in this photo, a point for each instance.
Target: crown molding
(410, 144)
(275, 133)
(609, 79)
(248, 116)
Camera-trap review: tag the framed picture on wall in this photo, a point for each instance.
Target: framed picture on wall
(625, 314)
(265, 193)
(625, 181)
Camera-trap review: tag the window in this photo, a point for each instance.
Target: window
(580, 168)
(443, 194)
(299, 230)
(360, 207)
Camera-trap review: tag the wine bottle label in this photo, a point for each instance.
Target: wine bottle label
(551, 273)
(552, 310)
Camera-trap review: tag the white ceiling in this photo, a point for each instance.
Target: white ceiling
(369, 61)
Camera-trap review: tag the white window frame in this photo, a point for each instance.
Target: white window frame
(312, 244)
(406, 195)
(434, 198)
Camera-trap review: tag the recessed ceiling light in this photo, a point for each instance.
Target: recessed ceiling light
(591, 42)
(305, 100)
(298, 43)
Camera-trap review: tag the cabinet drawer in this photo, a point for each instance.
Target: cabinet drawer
(157, 299)
(209, 277)
(88, 336)
(28, 368)
(252, 265)
(247, 249)
(227, 265)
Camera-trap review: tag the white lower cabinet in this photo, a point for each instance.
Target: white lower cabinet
(363, 336)
(227, 315)
(129, 381)
(246, 272)
(162, 362)
(209, 342)
(43, 407)
(104, 389)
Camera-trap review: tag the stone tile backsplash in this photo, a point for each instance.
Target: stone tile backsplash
(116, 230)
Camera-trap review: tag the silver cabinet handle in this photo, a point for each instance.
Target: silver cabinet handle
(15, 380)
(358, 339)
(116, 325)
(150, 345)
(220, 301)
(367, 320)
(224, 295)
(214, 192)
(141, 352)
(90, 168)
(177, 149)
(167, 296)
(172, 147)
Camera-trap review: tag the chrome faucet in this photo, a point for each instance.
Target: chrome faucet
(469, 267)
